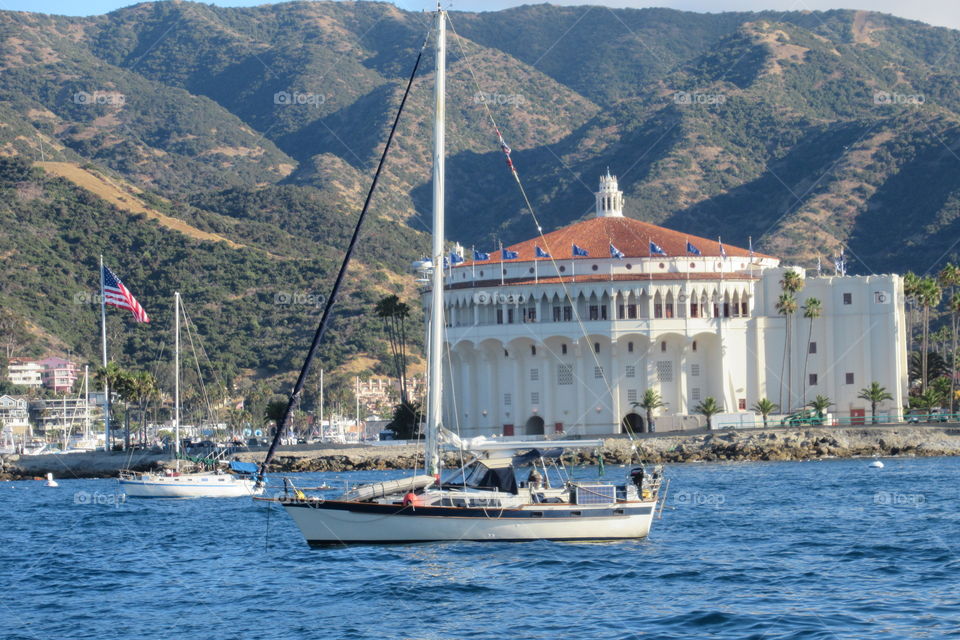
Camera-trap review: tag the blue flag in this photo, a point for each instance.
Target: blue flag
(723, 252)
(509, 255)
(614, 252)
(577, 251)
(656, 250)
(479, 255)
(541, 253)
(455, 258)
(692, 250)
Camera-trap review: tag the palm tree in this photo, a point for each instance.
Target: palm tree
(820, 404)
(954, 308)
(765, 407)
(394, 314)
(911, 291)
(110, 376)
(927, 399)
(787, 306)
(929, 297)
(274, 412)
(650, 402)
(142, 388)
(812, 309)
(709, 408)
(874, 394)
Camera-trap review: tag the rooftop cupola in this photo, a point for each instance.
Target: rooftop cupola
(609, 198)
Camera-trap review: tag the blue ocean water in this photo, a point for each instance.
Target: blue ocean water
(828, 549)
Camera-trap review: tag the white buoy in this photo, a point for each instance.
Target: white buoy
(50, 481)
(876, 464)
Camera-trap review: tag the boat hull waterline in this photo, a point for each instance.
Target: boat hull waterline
(332, 522)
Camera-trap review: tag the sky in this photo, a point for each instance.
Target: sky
(944, 13)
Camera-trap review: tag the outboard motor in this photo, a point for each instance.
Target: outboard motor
(636, 477)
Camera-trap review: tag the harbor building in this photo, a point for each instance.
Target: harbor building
(564, 332)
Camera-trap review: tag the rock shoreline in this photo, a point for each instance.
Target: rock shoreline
(780, 444)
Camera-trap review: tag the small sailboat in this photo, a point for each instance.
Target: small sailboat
(481, 500)
(173, 484)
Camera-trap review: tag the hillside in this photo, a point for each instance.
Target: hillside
(225, 151)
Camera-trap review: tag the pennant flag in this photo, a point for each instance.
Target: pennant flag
(577, 251)
(614, 252)
(509, 255)
(506, 150)
(692, 250)
(455, 258)
(541, 253)
(750, 240)
(656, 250)
(723, 252)
(480, 255)
(117, 295)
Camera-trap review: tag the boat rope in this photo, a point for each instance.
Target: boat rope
(523, 192)
(331, 300)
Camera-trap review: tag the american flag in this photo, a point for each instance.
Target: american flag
(116, 294)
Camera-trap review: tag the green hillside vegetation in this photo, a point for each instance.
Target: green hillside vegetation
(805, 131)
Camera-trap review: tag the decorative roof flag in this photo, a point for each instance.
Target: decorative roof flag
(455, 258)
(509, 255)
(723, 252)
(656, 250)
(541, 253)
(117, 295)
(614, 252)
(480, 255)
(692, 250)
(580, 252)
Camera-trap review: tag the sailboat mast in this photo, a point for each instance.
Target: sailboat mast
(176, 376)
(435, 364)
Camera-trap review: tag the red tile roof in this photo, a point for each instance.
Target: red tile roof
(630, 236)
(601, 277)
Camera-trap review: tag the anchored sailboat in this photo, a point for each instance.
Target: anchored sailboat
(173, 484)
(482, 500)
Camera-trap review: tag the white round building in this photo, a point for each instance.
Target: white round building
(541, 340)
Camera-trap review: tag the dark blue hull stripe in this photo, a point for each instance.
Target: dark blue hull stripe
(575, 511)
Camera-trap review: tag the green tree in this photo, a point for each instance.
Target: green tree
(911, 293)
(949, 276)
(650, 402)
(874, 394)
(926, 400)
(709, 408)
(143, 389)
(820, 404)
(115, 380)
(929, 297)
(812, 309)
(765, 407)
(394, 314)
(407, 417)
(273, 412)
(787, 306)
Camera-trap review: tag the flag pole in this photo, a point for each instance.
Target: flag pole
(501, 264)
(473, 265)
(106, 382)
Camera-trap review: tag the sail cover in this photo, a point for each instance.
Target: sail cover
(243, 467)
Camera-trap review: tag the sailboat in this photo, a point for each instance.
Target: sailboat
(482, 500)
(172, 483)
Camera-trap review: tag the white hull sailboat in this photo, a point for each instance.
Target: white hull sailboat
(482, 500)
(173, 484)
(187, 485)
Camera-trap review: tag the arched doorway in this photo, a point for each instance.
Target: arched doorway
(534, 426)
(633, 422)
